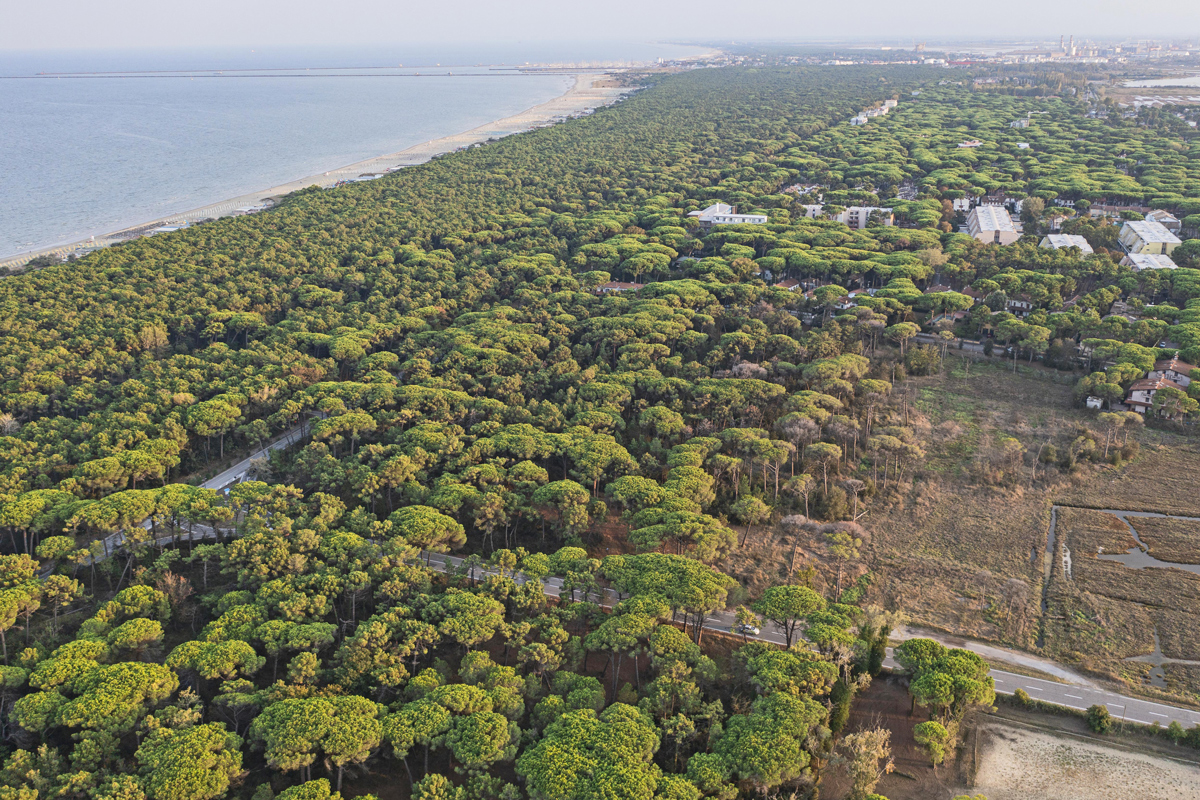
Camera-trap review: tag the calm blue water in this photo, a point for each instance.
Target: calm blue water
(89, 154)
(1191, 80)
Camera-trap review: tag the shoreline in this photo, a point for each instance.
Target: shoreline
(582, 95)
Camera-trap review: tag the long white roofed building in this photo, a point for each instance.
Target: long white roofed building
(1145, 236)
(992, 225)
(1058, 241)
(723, 214)
(1141, 261)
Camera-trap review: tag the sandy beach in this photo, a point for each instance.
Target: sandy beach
(588, 91)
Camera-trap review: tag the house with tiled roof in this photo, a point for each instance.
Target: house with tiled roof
(1020, 306)
(1141, 393)
(1173, 369)
(974, 294)
(791, 284)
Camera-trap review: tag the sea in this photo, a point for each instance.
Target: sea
(1163, 83)
(92, 142)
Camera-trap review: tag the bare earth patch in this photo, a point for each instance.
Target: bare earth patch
(1019, 764)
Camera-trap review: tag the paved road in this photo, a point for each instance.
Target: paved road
(238, 470)
(1130, 709)
(226, 478)
(1071, 695)
(1078, 692)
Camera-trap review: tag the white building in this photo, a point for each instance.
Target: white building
(861, 119)
(1173, 370)
(1020, 123)
(1057, 241)
(1166, 219)
(722, 214)
(1147, 237)
(857, 217)
(992, 225)
(1141, 261)
(1141, 393)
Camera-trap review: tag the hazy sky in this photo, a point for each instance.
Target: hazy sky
(37, 24)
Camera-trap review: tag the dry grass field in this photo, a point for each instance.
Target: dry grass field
(1105, 612)
(960, 542)
(960, 546)
(1164, 478)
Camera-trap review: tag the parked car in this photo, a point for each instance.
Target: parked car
(747, 630)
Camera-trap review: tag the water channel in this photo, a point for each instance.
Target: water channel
(1137, 557)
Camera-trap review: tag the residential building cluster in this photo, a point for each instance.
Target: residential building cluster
(867, 114)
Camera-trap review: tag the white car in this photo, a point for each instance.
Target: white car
(747, 630)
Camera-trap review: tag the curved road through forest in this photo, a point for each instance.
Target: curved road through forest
(1076, 691)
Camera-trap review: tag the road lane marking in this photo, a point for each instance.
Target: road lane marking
(1036, 689)
(1164, 716)
(1073, 696)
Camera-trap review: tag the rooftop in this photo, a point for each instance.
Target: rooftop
(1061, 240)
(1154, 384)
(1174, 364)
(722, 214)
(1149, 231)
(619, 286)
(992, 218)
(1140, 261)
(715, 208)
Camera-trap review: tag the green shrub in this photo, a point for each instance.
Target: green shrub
(1099, 720)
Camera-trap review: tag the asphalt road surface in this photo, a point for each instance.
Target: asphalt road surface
(1073, 695)
(238, 471)
(1076, 692)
